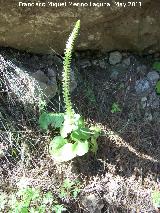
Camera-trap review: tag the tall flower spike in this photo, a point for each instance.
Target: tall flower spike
(67, 70)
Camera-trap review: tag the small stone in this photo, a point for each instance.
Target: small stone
(126, 62)
(153, 77)
(116, 70)
(142, 69)
(115, 57)
(102, 64)
(144, 102)
(156, 55)
(148, 116)
(142, 87)
(151, 51)
(93, 203)
(114, 75)
(154, 101)
(85, 63)
(124, 54)
(95, 62)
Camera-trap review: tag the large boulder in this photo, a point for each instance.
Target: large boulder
(38, 28)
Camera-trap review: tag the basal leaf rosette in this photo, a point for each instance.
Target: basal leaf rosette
(62, 151)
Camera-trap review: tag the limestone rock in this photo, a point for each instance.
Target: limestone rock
(153, 77)
(92, 203)
(48, 88)
(117, 70)
(115, 58)
(141, 69)
(142, 87)
(102, 63)
(126, 62)
(45, 29)
(154, 101)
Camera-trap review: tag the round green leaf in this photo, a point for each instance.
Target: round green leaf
(81, 148)
(65, 153)
(53, 119)
(56, 144)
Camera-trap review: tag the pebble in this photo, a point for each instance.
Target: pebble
(92, 203)
(142, 87)
(154, 101)
(85, 63)
(153, 77)
(126, 62)
(102, 64)
(95, 62)
(115, 57)
(148, 116)
(142, 69)
(114, 75)
(144, 102)
(116, 70)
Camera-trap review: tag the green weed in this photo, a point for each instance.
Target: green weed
(30, 200)
(70, 189)
(158, 87)
(115, 108)
(156, 66)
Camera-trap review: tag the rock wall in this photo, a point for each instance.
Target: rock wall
(42, 29)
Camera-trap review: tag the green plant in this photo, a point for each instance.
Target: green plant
(75, 138)
(156, 66)
(42, 104)
(58, 208)
(156, 198)
(20, 202)
(158, 87)
(29, 200)
(70, 189)
(115, 108)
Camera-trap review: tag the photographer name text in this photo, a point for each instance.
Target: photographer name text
(84, 4)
